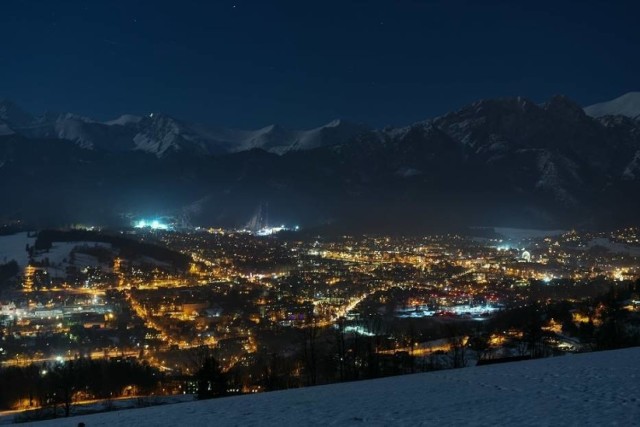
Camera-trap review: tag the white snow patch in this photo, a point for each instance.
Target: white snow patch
(123, 120)
(14, 247)
(625, 105)
(158, 147)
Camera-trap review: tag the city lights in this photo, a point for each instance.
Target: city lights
(154, 224)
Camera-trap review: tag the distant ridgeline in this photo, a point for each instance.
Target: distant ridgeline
(506, 161)
(128, 248)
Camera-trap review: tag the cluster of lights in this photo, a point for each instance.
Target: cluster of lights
(268, 231)
(154, 225)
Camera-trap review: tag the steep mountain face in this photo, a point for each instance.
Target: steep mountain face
(163, 135)
(551, 149)
(276, 139)
(495, 162)
(626, 105)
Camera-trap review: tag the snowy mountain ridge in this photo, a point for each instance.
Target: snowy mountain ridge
(161, 134)
(526, 163)
(626, 105)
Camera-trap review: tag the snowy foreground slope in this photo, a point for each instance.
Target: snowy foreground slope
(588, 389)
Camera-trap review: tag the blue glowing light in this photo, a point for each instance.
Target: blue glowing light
(153, 224)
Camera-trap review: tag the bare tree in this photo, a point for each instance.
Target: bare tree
(458, 347)
(310, 349)
(342, 355)
(64, 382)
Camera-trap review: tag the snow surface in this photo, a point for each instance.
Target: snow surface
(279, 140)
(625, 105)
(586, 389)
(160, 134)
(14, 247)
(123, 120)
(59, 257)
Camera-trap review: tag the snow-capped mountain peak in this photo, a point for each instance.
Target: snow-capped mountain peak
(549, 157)
(124, 120)
(625, 105)
(161, 134)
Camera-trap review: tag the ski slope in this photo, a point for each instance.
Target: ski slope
(587, 389)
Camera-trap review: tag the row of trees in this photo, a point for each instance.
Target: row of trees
(55, 387)
(7, 272)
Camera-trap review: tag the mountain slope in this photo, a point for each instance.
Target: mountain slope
(162, 135)
(586, 389)
(626, 105)
(505, 161)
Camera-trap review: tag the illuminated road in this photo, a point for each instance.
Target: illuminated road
(75, 404)
(98, 354)
(340, 312)
(70, 291)
(164, 333)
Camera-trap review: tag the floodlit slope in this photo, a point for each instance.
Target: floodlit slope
(13, 247)
(588, 389)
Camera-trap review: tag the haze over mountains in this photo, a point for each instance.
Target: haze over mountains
(505, 161)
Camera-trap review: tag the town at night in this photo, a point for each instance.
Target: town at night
(319, 213)
(294, 309)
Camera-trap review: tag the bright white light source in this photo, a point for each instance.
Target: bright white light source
(153, 224)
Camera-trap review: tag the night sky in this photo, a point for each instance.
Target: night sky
(303, 63)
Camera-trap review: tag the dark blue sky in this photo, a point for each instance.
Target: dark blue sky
(302, 63)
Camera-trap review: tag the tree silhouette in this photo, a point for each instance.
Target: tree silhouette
(212, 382)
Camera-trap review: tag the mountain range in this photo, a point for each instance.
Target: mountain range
(507, 161)
(162, 135)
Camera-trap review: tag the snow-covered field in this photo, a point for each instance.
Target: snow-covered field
(587, 389)
(13, 247)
